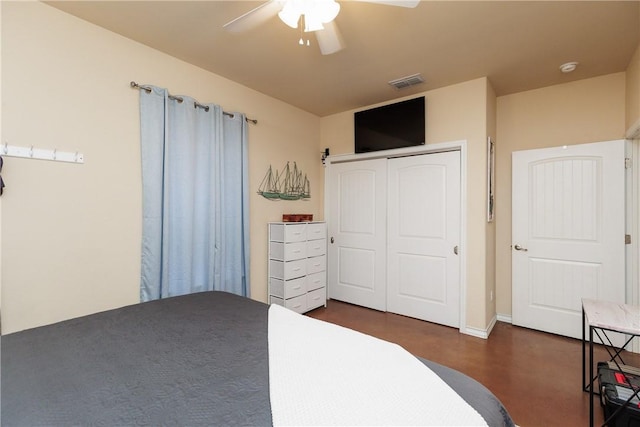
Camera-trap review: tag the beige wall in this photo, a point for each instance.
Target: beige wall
(457, 112)
(71, 233)
(490, 261)
(633, 92)
(589, 110)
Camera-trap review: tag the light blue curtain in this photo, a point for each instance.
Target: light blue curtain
(195, 234)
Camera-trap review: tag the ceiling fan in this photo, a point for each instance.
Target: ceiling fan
(308, 15)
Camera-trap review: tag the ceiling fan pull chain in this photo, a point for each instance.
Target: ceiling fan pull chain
(302, 26)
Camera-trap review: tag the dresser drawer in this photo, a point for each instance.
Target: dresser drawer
(287, 232)
(316, 231)
(288, 270)
(287, 251)
(316, 280)
(295, 233)
(316, 298)
(316, 247)
(288, 288)
(276, 300)
(298, 304)
(316, 264)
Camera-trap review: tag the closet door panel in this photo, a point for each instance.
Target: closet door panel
(357, 232)
(423, 277)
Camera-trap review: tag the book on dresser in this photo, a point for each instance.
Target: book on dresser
(298, 265)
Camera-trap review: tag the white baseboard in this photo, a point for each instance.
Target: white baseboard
(480, 333)
(504, 318)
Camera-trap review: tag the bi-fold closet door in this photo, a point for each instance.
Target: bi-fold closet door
(394, 232)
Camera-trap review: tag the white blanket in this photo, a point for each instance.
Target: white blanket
(322, 374)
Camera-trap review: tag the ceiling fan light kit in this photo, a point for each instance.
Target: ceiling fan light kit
(312, 16)
(315, 12)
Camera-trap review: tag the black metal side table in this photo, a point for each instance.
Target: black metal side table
(601, 317)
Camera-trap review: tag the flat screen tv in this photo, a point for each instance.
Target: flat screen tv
(390, 126)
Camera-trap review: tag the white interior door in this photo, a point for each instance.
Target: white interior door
(423, 278)
(357, 200)
(568, 213)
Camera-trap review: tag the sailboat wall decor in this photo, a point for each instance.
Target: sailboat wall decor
(270, 186)
(290, 184)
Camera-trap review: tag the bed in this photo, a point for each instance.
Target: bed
(199, 359)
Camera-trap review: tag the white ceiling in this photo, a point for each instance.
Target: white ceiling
(518, 45)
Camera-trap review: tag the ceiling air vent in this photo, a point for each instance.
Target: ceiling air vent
(407, 81)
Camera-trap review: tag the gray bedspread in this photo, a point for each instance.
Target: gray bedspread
(199, 359)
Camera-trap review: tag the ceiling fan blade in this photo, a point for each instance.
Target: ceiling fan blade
(330, 39)
(254, 17)
(401, 3)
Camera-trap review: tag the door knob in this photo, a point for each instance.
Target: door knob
(331, 239)
(520, 248)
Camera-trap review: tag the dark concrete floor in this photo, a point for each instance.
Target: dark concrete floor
(537, 376)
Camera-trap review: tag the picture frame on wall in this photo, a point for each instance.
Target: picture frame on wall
(491, 178)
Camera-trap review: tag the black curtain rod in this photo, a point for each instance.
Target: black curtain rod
(195, 104)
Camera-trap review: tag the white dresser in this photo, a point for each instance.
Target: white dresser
(298, 265)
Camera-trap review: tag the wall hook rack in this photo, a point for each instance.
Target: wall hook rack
(32, 152)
